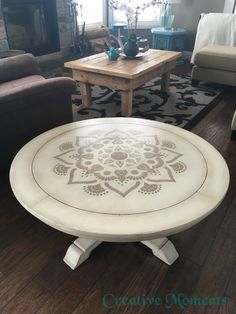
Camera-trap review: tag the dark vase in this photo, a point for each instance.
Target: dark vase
(131, 48)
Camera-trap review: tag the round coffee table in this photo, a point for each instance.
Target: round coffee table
(119, 180)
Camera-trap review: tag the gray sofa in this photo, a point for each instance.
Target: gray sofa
(29, 104)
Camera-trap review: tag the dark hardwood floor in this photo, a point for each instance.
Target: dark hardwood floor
(34, 278)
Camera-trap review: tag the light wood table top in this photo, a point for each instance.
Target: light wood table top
(124, 67)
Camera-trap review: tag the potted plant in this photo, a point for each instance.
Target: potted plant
(132, 10)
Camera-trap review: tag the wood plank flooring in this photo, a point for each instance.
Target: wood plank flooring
(34, 279)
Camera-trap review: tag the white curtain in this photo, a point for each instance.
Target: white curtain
(229, 6)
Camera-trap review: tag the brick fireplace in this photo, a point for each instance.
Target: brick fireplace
(41, 27)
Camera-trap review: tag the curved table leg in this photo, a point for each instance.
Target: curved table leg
(79, 251)
(163, 249)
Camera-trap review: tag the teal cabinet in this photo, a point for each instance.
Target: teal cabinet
(169, 39)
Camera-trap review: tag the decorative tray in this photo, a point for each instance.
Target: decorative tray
(140, 54)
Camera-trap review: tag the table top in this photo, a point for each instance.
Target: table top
(124, 67)
(169, 31)
(119, 179)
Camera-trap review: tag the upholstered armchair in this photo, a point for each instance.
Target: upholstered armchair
(29, 104)
(214, 54)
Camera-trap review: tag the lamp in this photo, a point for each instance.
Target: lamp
(167, 17)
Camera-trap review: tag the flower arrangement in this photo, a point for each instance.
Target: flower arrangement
(132, 9)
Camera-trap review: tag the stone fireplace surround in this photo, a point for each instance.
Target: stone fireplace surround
(65, 29)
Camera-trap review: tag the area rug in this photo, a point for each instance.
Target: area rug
(184, 106)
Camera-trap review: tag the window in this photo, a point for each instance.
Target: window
(92, 12)
(148, 18)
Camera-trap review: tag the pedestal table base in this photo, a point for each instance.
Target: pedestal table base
(80, 250)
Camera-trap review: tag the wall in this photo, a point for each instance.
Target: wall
(64, 24)
(188, 12)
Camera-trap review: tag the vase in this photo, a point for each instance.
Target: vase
(131, 48)
(167, 17)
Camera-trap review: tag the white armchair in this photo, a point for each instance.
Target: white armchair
(215, 29)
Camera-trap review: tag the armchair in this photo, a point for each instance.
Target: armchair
(29, 104)
(214, 54)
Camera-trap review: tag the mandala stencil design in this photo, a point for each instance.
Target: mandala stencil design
(119, 162)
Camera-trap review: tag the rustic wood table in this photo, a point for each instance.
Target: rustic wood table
(124, 74)
(119, 180)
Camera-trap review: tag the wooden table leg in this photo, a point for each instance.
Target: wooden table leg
(126, 103)
(163, 249)
(165, 81)
(85, 94)
(79, 251)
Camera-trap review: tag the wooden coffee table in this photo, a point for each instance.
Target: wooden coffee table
(119, 180)
(124, 74)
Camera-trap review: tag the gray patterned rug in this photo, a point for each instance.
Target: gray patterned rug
(184, 106)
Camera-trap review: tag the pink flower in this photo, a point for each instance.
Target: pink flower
(133, 8)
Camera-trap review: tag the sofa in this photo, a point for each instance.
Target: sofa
(216, 64)
(215, 29)
(214, 53)
(29, 104)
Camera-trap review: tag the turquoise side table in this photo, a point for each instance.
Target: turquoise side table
(121, 27)
(169, 39)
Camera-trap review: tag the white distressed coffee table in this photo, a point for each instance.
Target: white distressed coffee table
(119, 180)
